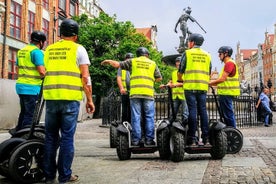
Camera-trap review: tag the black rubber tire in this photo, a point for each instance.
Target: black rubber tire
(177, 145)
(123, 150)
(6, 148)
(163, 142)
(37, 135)
(234, 140)
(113, 136)
(26, 162)
(219, 145)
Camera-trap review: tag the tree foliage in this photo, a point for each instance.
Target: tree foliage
(106, 38)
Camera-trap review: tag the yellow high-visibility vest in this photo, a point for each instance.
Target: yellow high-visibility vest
(179, 91)
(28, 73)
(63, 77)
(124, 74)
(197, 73)
(142, 77)
(231, 86)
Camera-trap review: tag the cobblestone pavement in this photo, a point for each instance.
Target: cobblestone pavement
(95, 162)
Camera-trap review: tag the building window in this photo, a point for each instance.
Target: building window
(45, 29)
(15, 20)
(45, 4)
(72, 8)
(62, 5)
(31, 19)
(11, 66)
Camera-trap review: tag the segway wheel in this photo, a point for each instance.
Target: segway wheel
(219, 145)
(112, 136)
(234, 140)
(163, 142)
(6, 149)
(177, 145)
(25, 164)
(123, 150)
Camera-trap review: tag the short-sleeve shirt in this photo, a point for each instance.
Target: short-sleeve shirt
(265, 101)
(230, 68)
(37, 58)
(119, 74)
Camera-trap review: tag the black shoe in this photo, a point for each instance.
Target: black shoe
(206, 141)
(266, 125)
(150, 143)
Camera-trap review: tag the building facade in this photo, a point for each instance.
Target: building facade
(257, 66)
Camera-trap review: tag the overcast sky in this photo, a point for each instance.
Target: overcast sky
(226, 22)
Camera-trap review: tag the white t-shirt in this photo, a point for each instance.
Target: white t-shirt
(82, 56)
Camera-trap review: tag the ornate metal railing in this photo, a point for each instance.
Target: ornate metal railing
(244, 106)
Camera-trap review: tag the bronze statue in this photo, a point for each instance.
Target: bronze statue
(184, 27)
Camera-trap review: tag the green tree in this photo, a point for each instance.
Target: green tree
(106, 38)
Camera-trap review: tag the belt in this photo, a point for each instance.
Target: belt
(195, 91)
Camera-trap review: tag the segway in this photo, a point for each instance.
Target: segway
(124, 147)
(21, 158)
(234, 136)
(178, 141)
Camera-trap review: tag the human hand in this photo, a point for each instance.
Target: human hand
(105, 62)
(90, 108)
(123, 91)
(162, 86)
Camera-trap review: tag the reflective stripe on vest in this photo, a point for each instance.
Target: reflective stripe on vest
(231, 86)
(63, 77)
(142, 77)
(124, 73)
(28, 73)
(179, 91)
(197, 73)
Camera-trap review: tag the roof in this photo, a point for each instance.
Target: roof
(248, 52)
(145, 31)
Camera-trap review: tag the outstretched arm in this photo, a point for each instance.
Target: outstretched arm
(113, 63)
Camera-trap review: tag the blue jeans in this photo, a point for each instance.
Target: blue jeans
(60, 119)
(184, 113)
(147, 105)
(226, 106)
(267, 114)
(196, 101)
(27, 105)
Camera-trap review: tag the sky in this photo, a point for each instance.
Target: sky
(226, 22)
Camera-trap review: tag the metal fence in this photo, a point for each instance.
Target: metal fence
(244, 107)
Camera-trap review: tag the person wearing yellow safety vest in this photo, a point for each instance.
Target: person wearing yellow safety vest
(228, 85)
(67, 76)
(123, 81)
(143, 73)
(30, 69)
(178, 96)
(196, 67)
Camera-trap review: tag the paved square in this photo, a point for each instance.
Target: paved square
(243, 162)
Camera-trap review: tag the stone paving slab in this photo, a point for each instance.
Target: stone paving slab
(243, 162)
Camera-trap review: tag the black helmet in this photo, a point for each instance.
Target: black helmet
(142, 51)
(197, 38)
(178, 58)
(226, 49)
(38, 36)
(129, 55)
(69, 27)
